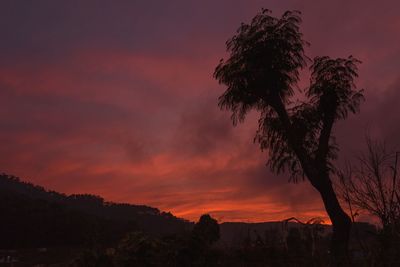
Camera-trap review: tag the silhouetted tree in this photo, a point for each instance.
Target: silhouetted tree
(261, 73)
(206, 230)
(371, 185)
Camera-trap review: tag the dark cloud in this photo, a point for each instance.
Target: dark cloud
(203, 129)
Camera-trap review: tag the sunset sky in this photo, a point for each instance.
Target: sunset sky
(117, 98)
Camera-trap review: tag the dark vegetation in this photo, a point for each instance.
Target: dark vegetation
(53, 229)
(46, 227)
(34, 217)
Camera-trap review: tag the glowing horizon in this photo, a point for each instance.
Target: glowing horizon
(118, 100)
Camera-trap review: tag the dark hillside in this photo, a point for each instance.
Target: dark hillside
(34, 217)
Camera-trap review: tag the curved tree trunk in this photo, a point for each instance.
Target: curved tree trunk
(341, 222)
(317, 174)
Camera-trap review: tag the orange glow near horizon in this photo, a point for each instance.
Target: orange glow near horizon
(120, 101)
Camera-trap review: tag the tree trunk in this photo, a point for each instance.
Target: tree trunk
(341, 222)
(318, 175)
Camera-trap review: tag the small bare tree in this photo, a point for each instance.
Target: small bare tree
(372, 185)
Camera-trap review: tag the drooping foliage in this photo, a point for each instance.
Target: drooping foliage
(265, 58)
(272, 136)
(262, 73)
(332, 89)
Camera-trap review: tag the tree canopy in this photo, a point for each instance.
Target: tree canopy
(262, 73)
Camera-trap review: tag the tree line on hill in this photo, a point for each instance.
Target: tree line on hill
(34, 217)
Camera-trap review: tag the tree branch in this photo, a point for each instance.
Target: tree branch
(323, 143)
(297, 147)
